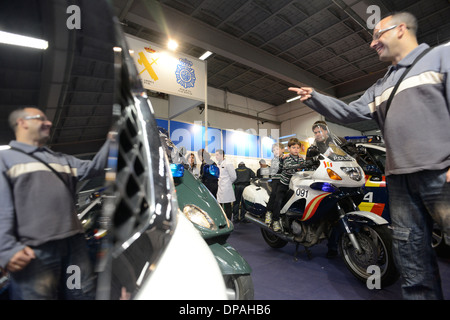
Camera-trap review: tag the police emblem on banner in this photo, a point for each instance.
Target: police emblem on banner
(185, 74)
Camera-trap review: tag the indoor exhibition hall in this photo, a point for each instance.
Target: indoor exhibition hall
(233, 157)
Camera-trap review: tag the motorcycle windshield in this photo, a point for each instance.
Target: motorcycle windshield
(329, 144)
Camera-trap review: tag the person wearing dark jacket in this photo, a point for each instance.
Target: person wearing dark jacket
(323, 138)
(210, 181)
(244, 176)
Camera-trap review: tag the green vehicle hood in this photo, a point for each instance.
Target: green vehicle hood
(192, 191)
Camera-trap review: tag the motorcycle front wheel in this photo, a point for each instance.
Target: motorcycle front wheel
(239, 287)
(375, 258)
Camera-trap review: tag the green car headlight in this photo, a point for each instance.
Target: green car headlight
(199, 217)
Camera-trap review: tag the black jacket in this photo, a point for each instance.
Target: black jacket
(243, 175)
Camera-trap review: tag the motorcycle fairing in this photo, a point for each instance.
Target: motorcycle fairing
(312, 198)
(368, 216)
(312, 206)
(376, 196)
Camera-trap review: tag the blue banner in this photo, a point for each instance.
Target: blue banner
(233, 142)
(240, 143)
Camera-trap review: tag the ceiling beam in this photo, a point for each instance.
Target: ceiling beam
(169, 21)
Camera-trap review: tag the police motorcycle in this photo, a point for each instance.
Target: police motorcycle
(370, 152)
(202, 209)
(322, 203)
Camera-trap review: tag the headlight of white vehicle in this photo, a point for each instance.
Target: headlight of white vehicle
(199, 217)
(353, 172)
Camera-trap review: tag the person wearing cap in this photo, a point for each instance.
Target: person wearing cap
(263, 171)
(243, 178)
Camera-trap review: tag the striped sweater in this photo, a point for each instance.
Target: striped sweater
(290, 165)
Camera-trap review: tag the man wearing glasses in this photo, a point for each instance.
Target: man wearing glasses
(40, 234)
(418, 174)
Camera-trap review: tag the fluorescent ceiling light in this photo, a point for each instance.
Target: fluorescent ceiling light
(293, 99)
(205, 55)
(18, 40)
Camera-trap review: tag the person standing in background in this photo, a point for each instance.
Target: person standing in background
(264, 169)
(192, 166)
(243, 178)
(225, 192)
(210, 181)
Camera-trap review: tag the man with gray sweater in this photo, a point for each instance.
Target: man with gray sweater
(417, 134)
(41, 239)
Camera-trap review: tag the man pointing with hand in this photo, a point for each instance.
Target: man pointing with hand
(416, 131)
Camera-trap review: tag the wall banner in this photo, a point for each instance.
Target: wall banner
(169, 72)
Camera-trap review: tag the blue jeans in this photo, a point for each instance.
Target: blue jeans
(416, 200)
(62, 269)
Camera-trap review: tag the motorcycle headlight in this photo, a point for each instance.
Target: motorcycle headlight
(199, 217)
(353, 172)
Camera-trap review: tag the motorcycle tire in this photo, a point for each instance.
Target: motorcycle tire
(241, 285)
(272, 239)
(376, 244)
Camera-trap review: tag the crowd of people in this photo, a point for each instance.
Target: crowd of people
(229, 186)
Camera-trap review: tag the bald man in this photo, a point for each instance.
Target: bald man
(417, 134)
(40, 234)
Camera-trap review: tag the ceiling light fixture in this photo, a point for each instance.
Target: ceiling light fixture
(172, 45)
(24, 41)
(205, 55)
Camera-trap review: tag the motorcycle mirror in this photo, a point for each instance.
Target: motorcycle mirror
(312, 152)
